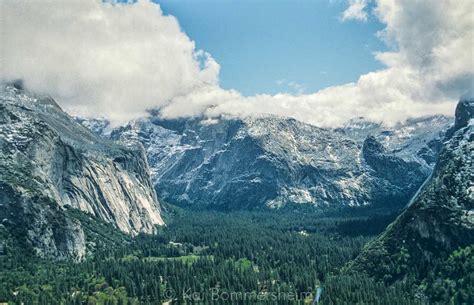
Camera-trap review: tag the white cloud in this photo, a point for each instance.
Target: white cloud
(120, 60)
(429, 67)
(355, 11)
(99, 58)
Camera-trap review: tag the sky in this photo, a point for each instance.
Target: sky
(320, 62)
(282, 45)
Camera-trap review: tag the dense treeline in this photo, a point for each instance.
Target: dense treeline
(208, 257)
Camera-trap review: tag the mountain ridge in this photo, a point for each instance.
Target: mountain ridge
(272, 161)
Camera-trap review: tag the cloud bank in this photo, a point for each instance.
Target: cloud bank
(118, 61)
(96, 58)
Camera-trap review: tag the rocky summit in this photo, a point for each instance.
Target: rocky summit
(49, 163)
(274, 161)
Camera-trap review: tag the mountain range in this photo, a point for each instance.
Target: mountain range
(80, 189)
(52, 162)
(271, 161)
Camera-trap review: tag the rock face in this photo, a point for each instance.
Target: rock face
(49, 162)
(441, 216)
(272, 161)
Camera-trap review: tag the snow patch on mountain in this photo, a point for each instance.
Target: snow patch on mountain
(271, 160)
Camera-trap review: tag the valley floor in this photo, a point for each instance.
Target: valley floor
(210, 257)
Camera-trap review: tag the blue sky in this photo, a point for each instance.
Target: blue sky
(122, 60)
(263, 46)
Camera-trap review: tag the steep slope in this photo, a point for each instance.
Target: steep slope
(49, 162)
(439, 221)
(272, 161)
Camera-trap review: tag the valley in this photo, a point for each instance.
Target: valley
(256, 211)
(208, 152)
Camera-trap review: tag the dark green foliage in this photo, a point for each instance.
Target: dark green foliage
(268, 257)
(452, 281)
(240, 252)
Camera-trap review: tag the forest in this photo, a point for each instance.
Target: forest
(208, 257)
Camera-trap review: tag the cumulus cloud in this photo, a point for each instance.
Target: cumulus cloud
(429, 67)
(120, 60)
(355, 11)
(103, 59)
